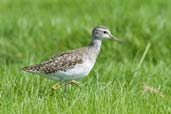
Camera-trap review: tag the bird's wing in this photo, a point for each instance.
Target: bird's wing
(61, 62)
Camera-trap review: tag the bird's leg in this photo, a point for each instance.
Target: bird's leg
(58, 86)
(73, 82)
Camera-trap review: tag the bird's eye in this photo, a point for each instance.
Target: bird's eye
(105, 32)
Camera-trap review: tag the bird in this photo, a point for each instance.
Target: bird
(69, 66)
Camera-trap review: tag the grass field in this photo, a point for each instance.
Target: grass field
(134, 78)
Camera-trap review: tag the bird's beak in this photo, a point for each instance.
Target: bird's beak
(115, 39)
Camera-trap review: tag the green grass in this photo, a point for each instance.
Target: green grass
(33, 30)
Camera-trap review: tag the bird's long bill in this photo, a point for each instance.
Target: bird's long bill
(116, 39)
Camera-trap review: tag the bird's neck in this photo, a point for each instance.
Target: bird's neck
(95, 45)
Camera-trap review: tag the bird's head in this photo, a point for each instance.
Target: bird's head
(101, 32)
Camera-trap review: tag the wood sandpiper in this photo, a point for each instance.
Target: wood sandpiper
(72, 65)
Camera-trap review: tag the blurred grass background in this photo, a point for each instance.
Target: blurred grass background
(33, 30)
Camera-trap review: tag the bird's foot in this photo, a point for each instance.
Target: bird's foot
(60, 85)
(73, 82)
(57, 86)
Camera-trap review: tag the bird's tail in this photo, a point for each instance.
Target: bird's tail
(32, 68)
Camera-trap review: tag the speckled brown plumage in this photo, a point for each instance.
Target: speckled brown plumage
(61, 62)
